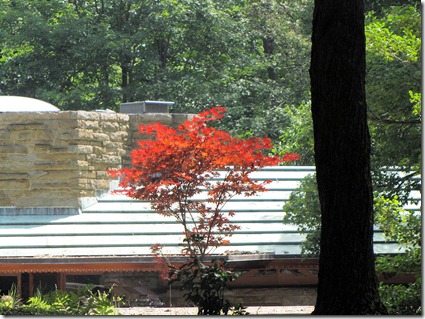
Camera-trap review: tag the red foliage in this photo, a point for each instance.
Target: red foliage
(178, 163)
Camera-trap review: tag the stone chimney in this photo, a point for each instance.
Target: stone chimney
(60, 159)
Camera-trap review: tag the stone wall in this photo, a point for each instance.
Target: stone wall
(254, 296)
(135, 120)
(59, 159)
(147, 289)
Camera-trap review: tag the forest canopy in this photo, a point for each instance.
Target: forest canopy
(250, 56)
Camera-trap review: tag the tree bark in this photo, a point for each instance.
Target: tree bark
(268, 45)
(347, 280)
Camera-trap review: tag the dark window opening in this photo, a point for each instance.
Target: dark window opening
(46, 282)
(6, 284)
(25, 286)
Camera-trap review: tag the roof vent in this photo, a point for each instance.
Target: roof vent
(145, 107)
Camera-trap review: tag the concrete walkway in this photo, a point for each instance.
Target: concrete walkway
(182, 311)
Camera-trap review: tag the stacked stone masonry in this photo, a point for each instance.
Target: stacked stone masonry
(51, 159)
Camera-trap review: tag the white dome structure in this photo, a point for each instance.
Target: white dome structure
(25, 104)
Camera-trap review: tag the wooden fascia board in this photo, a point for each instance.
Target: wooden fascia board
(77, 268)
(111, 265)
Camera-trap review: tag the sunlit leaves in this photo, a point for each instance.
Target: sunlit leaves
(400, 225)
(97, 54)
(396, 36)
(416, 100)
(393, 71)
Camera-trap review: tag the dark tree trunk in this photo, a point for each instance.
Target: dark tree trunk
(268, 45)
(124, 81)
(162, 44)
(347, 280)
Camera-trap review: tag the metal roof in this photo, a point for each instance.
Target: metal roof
(119, 226)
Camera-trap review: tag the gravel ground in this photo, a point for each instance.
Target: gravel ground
(177, 311)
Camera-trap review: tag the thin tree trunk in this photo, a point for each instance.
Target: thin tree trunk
(268, 45)
(347, 280)
(124, 82)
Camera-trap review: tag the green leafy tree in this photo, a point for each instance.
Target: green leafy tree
(96, 54)
(297, 135)
(393, 82)
(50, 51)
(303, 209)
(403, 226)
(398, 224)
(274, 74)
(403, 300)
(250, 56)
(393, 93)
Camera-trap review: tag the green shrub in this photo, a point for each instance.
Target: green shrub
(398, 224)
(9, 302)
(303, 209)
(405, 228)
(204, 286)
(83, 302)
(402, 299)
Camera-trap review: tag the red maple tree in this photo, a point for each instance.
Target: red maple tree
(178, 164)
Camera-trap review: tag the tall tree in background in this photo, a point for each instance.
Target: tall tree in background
(347, 278)
(250, 56)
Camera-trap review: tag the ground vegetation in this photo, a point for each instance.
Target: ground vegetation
(59, 303)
